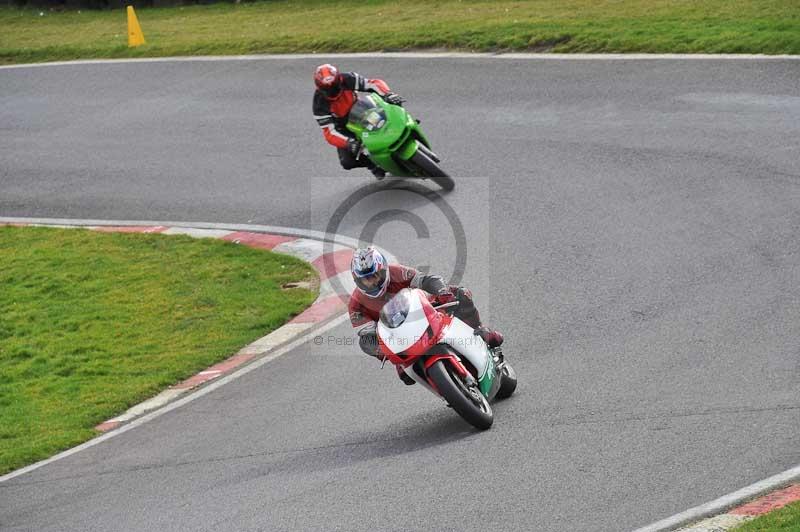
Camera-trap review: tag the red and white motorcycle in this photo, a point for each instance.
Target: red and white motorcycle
(442, 353)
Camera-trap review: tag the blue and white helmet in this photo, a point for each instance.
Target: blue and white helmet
(370, 271)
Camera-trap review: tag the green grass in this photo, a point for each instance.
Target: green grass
(787, 519)
(92, 323)
(676, 26)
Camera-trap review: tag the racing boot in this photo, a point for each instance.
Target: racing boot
(378, 172)
(492, 338)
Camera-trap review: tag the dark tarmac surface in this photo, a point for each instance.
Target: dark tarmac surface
(633, 227)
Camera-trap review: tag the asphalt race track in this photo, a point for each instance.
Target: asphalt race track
(632, 226)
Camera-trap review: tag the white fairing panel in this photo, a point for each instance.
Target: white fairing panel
(462, 339)
(407, 334)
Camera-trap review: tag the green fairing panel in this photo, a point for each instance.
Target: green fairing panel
(485, 382)
(379, 126)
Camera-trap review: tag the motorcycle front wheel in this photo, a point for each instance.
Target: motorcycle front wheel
(467, 401)
(430, 169)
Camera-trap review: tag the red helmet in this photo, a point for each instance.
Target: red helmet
(328, 81)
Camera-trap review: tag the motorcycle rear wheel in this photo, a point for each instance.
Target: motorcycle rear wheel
(468, 402)
(431, 170)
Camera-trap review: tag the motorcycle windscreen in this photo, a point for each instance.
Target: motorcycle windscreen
(366, 114)
(404, 311)
(395, 312)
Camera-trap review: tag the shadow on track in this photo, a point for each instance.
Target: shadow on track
(410, 435)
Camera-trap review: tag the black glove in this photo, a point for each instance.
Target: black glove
(463, 295)
(353, 146)
(368, 341)
(394, 99)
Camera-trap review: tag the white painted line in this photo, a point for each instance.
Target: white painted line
(336, 247)
(151, 404)
(718, 523)
(725, 502)
(54, 226)
(416, 56)
(346, 241)
(276, 230)
(302, 248)
(197, 233)
(275, 338)
(345, 280)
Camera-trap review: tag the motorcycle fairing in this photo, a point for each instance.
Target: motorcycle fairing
(462, 338)
(420, 330)
(388, 143)
(403, 337)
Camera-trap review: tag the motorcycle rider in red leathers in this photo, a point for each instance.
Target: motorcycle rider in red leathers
(376, 283)
(333, 99)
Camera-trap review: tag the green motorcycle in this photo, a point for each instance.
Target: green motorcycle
(393, 140)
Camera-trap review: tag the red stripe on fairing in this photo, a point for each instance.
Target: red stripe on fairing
(132, 229)
(331, 264)
(258, 240)
(773, 501)
(321, 310)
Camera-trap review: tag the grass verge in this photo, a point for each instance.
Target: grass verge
(92, 323)
(650, 26)
(786, 519)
